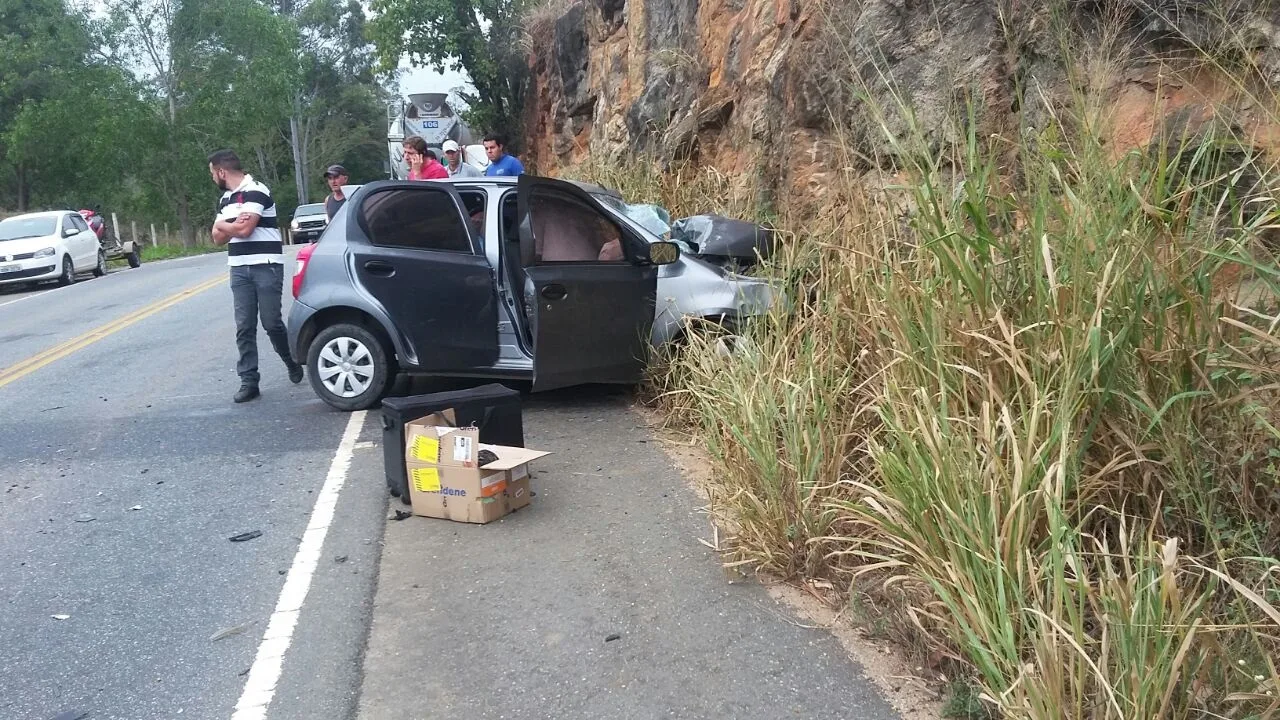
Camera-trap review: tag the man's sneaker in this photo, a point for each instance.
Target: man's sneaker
(246, 393)
(295, 373)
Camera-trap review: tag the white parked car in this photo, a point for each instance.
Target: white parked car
(54, 245)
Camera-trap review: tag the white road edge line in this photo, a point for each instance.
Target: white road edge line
(260, 686)
(28, 297)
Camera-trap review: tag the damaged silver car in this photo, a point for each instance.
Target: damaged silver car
(523, 278)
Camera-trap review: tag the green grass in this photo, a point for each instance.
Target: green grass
(170, 252)
(154, 253)
(1028, 398)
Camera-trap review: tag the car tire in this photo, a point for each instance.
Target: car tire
(134, 258)
(101, 268)
(349, 367)
(68, 276)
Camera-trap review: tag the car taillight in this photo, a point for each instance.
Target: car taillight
(300, 268)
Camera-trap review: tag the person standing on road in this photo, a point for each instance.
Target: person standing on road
(500, 163)
(455, 164)
(336, 177)
(247, 225)
(423, 165)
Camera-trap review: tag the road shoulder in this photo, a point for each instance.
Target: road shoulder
(515, 618)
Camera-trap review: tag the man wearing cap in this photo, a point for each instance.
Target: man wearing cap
(454, 163)
(336, 177)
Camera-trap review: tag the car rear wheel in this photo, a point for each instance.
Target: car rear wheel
(68, 275)
(101, 268)
(349, 367)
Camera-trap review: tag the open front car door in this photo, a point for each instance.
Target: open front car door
(590, 287)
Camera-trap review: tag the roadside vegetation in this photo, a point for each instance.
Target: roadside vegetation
(1023, 405)
(154, 253)
(170, 252)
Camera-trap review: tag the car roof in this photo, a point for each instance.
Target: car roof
(46, 213)
(513, 179)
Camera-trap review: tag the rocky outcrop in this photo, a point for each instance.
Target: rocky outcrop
(783, 93)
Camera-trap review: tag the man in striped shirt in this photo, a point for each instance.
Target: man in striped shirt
(247, 225)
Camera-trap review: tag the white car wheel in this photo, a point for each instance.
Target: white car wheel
(349, 367)
(68, 275)
(346, 367)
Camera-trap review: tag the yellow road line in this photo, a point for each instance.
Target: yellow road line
(53, 354)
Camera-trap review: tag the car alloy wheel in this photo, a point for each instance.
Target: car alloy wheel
(346, 367)
(349, 366)
(101, 268)
(68, 272)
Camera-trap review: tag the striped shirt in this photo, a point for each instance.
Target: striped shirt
(263, 245)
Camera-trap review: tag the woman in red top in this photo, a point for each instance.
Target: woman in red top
(423, 165)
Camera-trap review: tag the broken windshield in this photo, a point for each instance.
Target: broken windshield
(653, 218)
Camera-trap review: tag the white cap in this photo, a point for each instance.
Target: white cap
(449, 146)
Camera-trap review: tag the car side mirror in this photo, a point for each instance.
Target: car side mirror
(663, 253)
(68, 232)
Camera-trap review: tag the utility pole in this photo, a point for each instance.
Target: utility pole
(299, 174)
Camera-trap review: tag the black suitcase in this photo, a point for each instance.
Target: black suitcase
(495, 409)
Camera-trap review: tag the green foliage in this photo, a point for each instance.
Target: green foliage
(120, 109)
(964, 702)
(342, 103)
(481, 37)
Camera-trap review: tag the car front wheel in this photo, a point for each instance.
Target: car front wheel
(68, 275)
(349, 368)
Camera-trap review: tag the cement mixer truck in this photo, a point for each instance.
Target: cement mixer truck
(429, 116)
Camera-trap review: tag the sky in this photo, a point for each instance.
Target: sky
(413, 80)
(424, 80)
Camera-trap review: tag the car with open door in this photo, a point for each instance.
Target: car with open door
(529, 279)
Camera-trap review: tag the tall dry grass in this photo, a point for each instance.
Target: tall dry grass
(1034, 413)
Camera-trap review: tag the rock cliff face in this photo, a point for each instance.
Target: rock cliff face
(768, 90)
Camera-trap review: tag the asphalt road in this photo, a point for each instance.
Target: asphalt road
(110, 610)
(126, 469)
(595, 601)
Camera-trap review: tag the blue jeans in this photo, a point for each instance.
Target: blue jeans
(256, 291)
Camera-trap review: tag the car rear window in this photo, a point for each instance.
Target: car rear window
(421, 219)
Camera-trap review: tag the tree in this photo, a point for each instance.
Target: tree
(340, 104)
(122, 108)
(76, 142)
(222, 71)
(481, 37)
(42, 42)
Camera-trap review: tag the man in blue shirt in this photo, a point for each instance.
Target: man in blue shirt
(500, 163)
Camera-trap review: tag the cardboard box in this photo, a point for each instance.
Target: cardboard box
(446, 480)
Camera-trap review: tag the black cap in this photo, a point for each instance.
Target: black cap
(335, 171)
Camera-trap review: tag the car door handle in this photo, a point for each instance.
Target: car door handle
(555, 291)
(378, 267)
